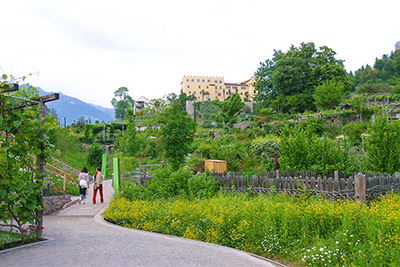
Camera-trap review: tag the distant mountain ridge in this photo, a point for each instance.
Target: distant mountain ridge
(70, 109)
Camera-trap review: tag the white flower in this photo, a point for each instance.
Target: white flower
(321, 249)
(337, 242)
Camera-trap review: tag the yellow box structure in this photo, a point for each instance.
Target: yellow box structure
(218, 166)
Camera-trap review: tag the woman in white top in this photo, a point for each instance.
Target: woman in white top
(83, 182)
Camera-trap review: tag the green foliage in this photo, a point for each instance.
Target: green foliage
(167, 183)
(353, 131)
(377, 79)
(264, 149)
(21, 182)
(124, 102)
(178, 131)
(202, 186)
(207, 108)
(94, 155)
(383, 146)
(192, 162)
(130, 141)
(207, 124)
(204, 150)
(328, 95)
(368, 88)
(230, 109)
(301, 149)
(132, 191)
(316, 125)
(286, 83)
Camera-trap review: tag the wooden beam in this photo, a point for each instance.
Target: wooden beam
(35, 101)
(7, 88)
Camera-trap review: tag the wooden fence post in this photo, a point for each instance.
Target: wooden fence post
(360, 188)
(65, 178)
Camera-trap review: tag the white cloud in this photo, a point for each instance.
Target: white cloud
(88, 49)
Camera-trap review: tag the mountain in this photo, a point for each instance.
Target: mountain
(69, 109)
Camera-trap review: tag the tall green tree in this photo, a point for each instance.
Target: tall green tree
(177, 130)
(121, 102)
(328, 95)
(131, 142)
(286, 83)
(230, 109)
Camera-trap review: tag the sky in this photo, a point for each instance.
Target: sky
(88, 49)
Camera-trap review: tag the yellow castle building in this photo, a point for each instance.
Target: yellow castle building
(212, 88)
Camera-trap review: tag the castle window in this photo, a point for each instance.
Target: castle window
(199, 86)
(216, 87)
(192, 80)
(220, 87)
(188, 86)
(242, 87)
(216, 81)
(198, 80)
(220, 81)
(234, 87)
(202, 80)
(187, 80)
(254, 91)
(228, 87)
(207, 86)
(194, 92)
(208, 81)
(190, 92)
(219, 94)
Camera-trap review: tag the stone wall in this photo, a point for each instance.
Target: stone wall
(54, 203)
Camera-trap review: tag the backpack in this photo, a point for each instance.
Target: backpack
(98, 179)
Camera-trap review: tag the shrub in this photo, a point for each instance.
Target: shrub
(201, 186)
(167, 183)
(95, 153)
(383, 146)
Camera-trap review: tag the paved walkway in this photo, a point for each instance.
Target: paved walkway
(80, 237)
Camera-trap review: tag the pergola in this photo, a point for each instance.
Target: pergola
(41, 100)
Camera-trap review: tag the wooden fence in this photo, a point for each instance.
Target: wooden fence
(358, 187)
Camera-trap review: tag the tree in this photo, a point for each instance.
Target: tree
(286, 83)
(208, 108)
(131, 142)
(182, 98)
(124, 102)
(230, 109)
(177, 130)
(328, 95)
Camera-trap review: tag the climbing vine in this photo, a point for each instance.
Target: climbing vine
(20, 182)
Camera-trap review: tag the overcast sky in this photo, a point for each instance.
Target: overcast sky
(88, 49)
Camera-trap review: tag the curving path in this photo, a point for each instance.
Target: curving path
(78, 236)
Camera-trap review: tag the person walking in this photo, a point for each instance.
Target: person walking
(98, 178)
(83, 183)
